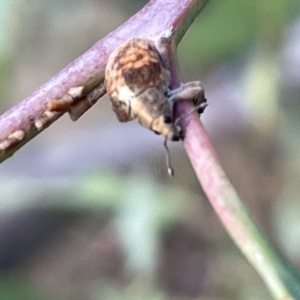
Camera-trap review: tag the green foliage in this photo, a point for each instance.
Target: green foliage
(13, 289)
(228, 28)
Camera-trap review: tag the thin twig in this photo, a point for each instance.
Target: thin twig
(82, 79)
(84, 76)
(280, 277)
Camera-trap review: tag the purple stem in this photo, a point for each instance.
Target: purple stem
(152, 20)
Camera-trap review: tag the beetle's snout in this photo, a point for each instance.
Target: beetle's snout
(167, 129)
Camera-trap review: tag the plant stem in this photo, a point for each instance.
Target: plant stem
(281, 279)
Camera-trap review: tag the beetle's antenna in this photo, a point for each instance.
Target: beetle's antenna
(168, 159)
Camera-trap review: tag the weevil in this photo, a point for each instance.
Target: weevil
(137, 80)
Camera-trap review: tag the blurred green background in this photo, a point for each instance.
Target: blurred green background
(87, 209)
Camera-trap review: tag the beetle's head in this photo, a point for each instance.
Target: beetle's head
(153, 111)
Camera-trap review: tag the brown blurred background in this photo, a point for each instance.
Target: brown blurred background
(87, 210)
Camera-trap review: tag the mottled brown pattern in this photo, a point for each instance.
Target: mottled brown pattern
(136, 64)
(121, 110)
(137, 82)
